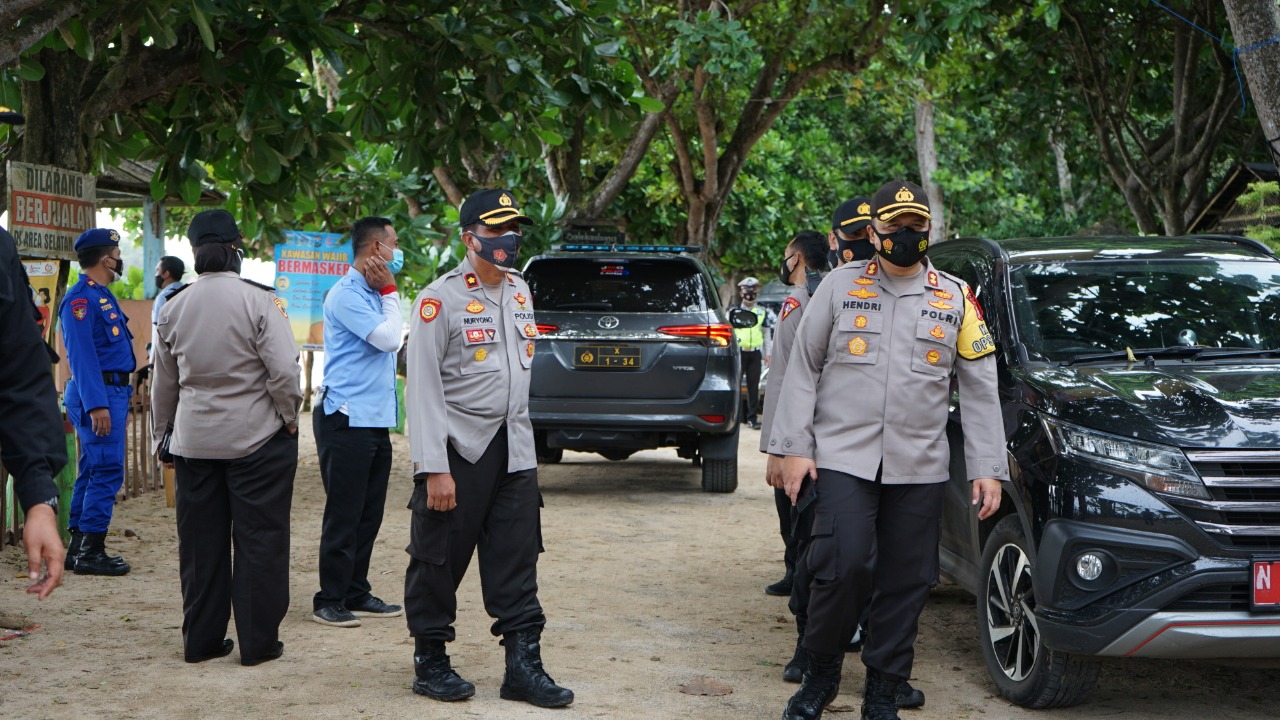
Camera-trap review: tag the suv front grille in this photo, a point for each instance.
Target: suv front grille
(1244, 506)
(1214, 597)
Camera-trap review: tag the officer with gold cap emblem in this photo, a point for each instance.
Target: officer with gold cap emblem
(863, 413)
(850, 236)
(474, 469)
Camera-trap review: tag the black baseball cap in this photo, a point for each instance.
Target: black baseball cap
(212, 226)
(852, 216)
(10, 117)
(491, 206)
(899, 197)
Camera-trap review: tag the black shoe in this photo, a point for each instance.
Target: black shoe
(374, 607)
(795, 669)
(270, 655)
(782, 588)
(878, 697)
(223, 651)
(820, 687)
(906, 696)
(525, 679)
(433, 675)
(855, 645)
(94, 560)
(753, 424)
(74, 548)
(335, 616)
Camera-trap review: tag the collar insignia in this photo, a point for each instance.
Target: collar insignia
(471, 280)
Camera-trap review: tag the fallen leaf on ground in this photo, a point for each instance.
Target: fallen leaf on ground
(705, 686)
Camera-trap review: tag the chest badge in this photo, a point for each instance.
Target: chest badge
(932, 357)
(941, 305)
(114, 316)
(937, 332)
(942, 294)
(521, 300)
(865, 281)
(860, 321)
(528, 349)
(857, 346)
(430, 310)
(115, 331)
(474, 307)
(863, 293)
(481, 354)
(471, 280)
(530, 330)
(102, 301)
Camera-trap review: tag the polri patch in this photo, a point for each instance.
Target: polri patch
(430, 309)
(280, 306)
(789, 305)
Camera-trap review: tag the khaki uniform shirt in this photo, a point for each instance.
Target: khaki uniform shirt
(868, 381)
(784, 336)
(226, 373)
(469, 356)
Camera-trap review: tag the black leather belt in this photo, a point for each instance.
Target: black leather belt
(120, 379)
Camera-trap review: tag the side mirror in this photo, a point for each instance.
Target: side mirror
(742, 318)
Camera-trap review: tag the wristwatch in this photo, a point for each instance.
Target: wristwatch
(51, 502)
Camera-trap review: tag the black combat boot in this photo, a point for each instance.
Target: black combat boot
(878, 697)
(525, 679)
(794, 671)
(73, 549)
(433, 675)
(820, 687)
(93, 558)
(782, 588)
(906, 696)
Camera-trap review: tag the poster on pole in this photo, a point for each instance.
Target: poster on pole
(308, 264)
(43, 276)
(48, 209)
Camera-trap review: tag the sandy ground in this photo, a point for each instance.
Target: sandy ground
(647, 582)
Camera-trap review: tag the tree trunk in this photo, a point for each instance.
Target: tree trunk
(1065, 189)
(1252, 22)
(57, 134)
(927, 158)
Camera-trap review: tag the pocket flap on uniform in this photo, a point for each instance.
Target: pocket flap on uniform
(871, 322)
(938, 330)
(824, 525)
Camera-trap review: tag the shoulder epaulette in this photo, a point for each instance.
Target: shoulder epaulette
(268, 288)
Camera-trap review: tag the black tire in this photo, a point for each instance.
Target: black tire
(719, 476)
(1023, 669)
(551, 456)
(616, 454)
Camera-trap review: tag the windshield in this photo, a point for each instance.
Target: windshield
(617, 285)
(1067, 309)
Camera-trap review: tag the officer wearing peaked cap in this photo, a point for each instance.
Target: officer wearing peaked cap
(863, 412)
(475, 475)
(850, 236)
(99, 346)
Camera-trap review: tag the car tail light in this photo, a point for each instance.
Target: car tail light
(719, 335)
(713, 419)
(547, 329)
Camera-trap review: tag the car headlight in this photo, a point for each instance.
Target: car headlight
(1156, 467)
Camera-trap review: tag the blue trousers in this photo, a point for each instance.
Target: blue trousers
(101, 467)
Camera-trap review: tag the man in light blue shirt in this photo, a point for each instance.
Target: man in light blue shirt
(363, 331)
(169, 272)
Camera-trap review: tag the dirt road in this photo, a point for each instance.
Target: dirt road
(647, 582)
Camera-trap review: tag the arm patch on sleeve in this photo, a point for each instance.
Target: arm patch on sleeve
(974, 340)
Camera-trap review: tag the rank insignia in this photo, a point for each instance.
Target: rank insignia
(474, 307)
(90, 283)
(471, 280)
(942, 294)
(937, 332)
(530, 330)
(933, 278)
(860, 321)
(857, 346)
(115, 331)
(865, 281)
(863, 293)
(521, 300)
(481, 354)
(788, 305)
(873, 269)
(280, 307)
(888, 245)
(430, 309)
(528, 349)
(848, 255)
(932, 357)
(79, 307)
(941, 305)
(510, 280)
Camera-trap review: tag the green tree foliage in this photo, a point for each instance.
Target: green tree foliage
(1262, 201)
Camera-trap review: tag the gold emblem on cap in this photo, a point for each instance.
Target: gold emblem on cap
(904, 195)
(504, 200)
(481, 354)
(864, 209)
(857, 346)
(115, 236)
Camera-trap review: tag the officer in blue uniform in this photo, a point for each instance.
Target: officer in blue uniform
(100, 352)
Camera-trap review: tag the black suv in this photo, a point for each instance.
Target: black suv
(634, 352)
(1140, 383)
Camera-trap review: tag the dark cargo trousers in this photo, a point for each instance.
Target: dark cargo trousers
(498, 515)
(877, 541)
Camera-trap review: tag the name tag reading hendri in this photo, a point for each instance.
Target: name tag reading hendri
(1264, 578)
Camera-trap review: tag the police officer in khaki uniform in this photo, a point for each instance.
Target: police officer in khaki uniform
(226, 383)
(863, 413)
(474, 470)
(850, 236)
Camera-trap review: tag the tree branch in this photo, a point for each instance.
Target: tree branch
(18, 40)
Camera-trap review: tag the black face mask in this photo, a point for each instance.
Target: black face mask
(855, 250)
(784, 271)
(749, 296)
(119, 268)
(159, 282)
(502, 251)
(905, 247)
(833, 257)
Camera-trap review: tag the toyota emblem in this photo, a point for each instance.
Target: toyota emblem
(608, 322)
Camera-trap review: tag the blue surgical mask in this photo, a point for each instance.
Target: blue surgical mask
(396, 263)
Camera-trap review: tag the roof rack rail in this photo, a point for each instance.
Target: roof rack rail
(1237, 239)
(615, 247)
